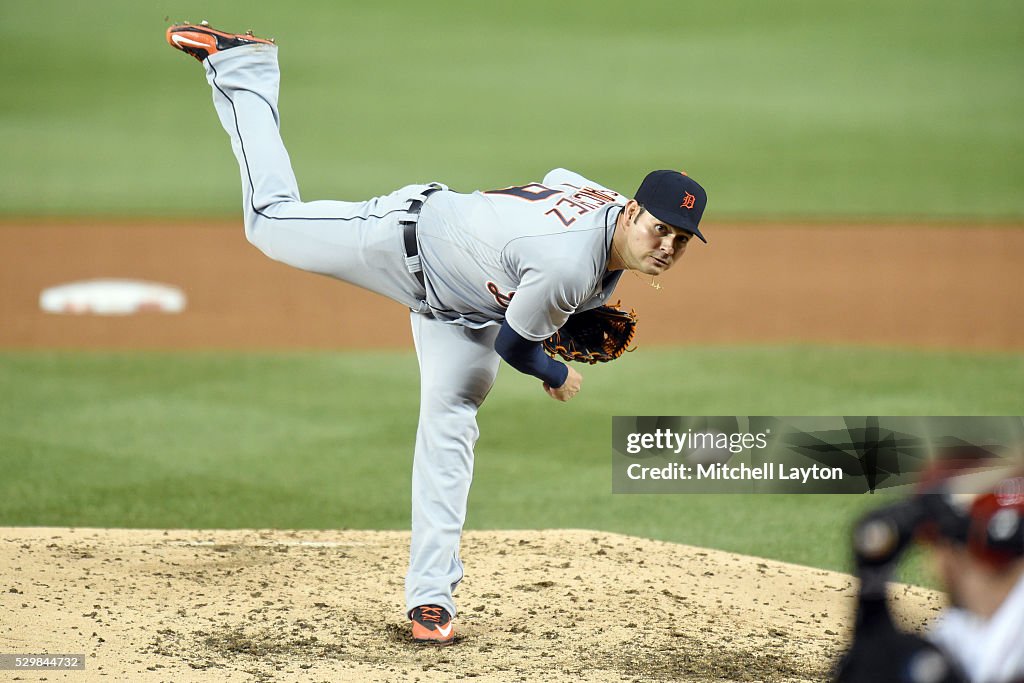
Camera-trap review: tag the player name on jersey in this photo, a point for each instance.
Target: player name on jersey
(580, 203)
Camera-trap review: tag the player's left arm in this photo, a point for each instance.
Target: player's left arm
(528, 357)
(549, 292)
(547, 295)
(561, 382)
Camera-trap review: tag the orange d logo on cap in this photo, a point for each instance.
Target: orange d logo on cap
(688, 201)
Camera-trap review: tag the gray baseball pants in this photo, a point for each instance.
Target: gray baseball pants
(361, 243)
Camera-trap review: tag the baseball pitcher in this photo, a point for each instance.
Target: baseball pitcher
(487, 276)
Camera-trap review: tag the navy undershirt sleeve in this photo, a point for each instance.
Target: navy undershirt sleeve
(528, 357)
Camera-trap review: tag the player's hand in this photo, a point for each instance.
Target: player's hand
(570, 388)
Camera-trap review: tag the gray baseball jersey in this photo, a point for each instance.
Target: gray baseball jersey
(530, 254)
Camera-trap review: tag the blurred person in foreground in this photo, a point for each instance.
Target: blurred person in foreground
(976, 541)
(977, 545)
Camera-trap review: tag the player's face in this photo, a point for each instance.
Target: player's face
(654, 246)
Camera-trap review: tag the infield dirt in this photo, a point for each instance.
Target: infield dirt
(952, 287)
(556, 605)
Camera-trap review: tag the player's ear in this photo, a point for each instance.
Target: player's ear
(632, 210)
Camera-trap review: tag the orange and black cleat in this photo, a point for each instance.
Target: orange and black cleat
(201, 41)
(432, 625)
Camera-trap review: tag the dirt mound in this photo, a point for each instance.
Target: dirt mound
(327, 606)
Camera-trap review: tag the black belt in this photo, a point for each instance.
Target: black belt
(409, 234)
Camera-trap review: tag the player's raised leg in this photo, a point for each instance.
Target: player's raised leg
(352, 241)
(457, 369)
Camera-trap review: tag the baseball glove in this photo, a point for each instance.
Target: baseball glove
(595, 336)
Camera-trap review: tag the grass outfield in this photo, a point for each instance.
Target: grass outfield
(789, 108)
(325, 440)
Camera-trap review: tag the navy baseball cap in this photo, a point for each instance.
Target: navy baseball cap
(674, 198)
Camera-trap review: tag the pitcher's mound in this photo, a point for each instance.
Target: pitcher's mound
(328, 606)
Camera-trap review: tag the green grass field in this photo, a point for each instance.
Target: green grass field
(292, 441)
(783, 109)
